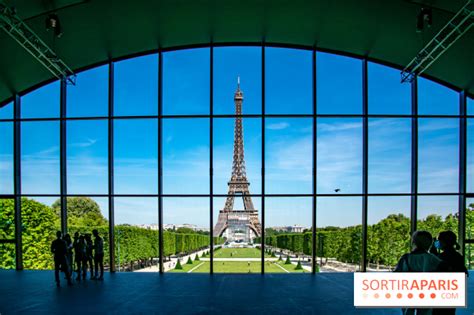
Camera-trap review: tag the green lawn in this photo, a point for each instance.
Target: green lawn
(238, 267)
(238, 253)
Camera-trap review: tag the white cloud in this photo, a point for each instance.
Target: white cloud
(277, 126)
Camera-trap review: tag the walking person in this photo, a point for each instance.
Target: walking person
(453, 260)
(98, 255)
(59, 250)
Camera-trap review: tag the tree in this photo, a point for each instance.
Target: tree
(39, 224)
(81, 211)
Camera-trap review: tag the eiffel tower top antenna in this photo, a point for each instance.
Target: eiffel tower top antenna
(238, 83)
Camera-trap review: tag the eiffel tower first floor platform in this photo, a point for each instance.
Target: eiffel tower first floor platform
(34, 292)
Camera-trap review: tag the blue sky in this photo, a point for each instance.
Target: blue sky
(288, 141)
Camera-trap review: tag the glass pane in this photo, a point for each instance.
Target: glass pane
(438, 155)
(387, 216)
(136, 156)
(40, 157)
(470, 219)
(470, 155)
(387, 95)
(389, 155)
(136, 86)
(339, 233)
(186, 234)
(6, 112)
(186, 82)
(7, 232)
(288, 235)
(136, 234)
(469, 249)
(39, 225)
(229, 64)
(339, 155)
(7, 255)
(236, 232)
(470, 106)
(89, 97)
(339, 84)
(438, 213)
(185, 156)
(42, 102)
(288, 81)
(87, 157)
(6, 158)
(435, 99)
(289, 155)
(224, 129)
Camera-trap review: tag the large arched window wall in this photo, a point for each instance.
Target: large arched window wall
(338, 153)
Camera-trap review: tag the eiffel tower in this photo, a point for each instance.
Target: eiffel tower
(238, 224)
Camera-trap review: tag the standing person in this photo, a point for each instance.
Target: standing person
(448, 246)
(89, 254)
(419, 260)
(98, 255)
(70, 263)
(79, 253)
(59, 249)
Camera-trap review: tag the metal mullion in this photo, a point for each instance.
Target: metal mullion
(414, 156)
(365, 163)
(211, 157)
(314, 158)
(263, 164)
(17, 183)
(462, 169)
(63, 156)
(111, 191)
(160, 162)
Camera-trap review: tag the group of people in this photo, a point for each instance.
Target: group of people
(432, 255)
(82, 252)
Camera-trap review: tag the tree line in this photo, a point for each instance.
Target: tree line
(387, 239)
(40, 222)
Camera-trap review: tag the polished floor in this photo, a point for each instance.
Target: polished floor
(34, 292)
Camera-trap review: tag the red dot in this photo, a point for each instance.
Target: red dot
(387, 295)
(421, 295)
(376, 295)
(399, 295)
(410, 295)
(433, 295)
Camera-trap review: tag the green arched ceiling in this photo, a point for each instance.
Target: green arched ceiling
(99, 30)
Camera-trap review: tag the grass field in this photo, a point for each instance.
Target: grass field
(238, 253)
(230, 266)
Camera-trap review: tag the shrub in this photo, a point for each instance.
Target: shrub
(178, 265)
(287, 261)
(190, 261)
(196, 258)
(298, 266)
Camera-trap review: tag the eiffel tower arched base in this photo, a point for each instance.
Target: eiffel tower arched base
(237, 225)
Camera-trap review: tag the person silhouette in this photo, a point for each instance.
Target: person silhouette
(79, 255)
(419, 260)
(59, 250)
(98, 255)
(69, 245)
(89, 254)
(454, 261)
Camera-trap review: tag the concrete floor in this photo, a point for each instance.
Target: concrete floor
(34, 292)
